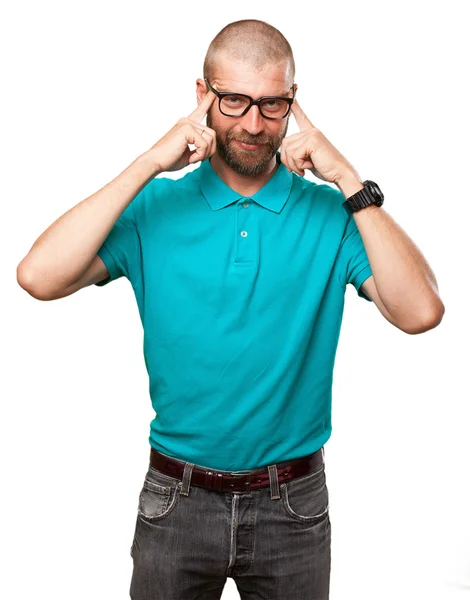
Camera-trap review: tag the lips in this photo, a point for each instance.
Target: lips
(246, 146)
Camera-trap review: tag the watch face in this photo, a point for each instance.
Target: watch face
(374, 189)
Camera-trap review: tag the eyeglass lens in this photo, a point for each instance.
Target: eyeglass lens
(234, 106)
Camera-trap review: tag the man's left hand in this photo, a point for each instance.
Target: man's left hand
(309, 149)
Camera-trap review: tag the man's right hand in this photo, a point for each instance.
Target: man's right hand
(172, 151)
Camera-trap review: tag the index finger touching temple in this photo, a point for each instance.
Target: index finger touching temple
(301, 118)
(200, 112)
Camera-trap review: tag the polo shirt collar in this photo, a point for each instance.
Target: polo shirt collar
(273, 195)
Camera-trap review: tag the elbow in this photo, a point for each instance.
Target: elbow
(432, 320)
(28, 282)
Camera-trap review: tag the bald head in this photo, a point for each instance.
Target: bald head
(250, 41)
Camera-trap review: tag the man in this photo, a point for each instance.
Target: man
(239, 270)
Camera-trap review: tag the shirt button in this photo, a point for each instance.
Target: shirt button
(246, 204)
(244, 233)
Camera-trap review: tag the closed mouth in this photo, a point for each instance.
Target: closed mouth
(247, 146)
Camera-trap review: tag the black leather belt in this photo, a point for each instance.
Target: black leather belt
(237, 481)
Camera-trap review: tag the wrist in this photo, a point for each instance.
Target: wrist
(150, 159)
(349, 184)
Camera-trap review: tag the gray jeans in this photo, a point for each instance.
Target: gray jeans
(275, 541)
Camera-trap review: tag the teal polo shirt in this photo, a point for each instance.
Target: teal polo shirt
(241, 301)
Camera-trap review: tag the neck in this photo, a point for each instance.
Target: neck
(245, 185)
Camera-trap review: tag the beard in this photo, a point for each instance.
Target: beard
(246, 162)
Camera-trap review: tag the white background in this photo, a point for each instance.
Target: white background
(88, 87)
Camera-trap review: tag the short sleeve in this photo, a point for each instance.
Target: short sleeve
(120, 251)
(354, 266)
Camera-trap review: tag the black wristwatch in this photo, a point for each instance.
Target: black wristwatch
(370, 194)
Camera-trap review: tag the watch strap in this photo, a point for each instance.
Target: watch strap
(363, 198)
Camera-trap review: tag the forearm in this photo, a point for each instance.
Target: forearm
(63, 252)
(404, 280)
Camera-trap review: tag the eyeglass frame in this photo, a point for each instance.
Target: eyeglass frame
(221, 95)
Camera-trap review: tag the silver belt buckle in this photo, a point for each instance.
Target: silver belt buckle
(242, 474)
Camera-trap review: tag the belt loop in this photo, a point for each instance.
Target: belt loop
(273, 482)
(188, 470)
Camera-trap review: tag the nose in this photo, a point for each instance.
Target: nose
(253, 121)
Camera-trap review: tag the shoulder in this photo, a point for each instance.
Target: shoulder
(321, 191)
(161, 189)
(323, 196)
(172, 182)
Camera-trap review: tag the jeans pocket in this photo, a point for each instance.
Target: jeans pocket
(159, 496)
(306, 498)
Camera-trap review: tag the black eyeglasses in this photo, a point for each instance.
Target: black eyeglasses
(237, 105)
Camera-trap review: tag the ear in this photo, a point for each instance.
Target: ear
(201, 90)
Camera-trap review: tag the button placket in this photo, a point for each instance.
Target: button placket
(246, 229)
